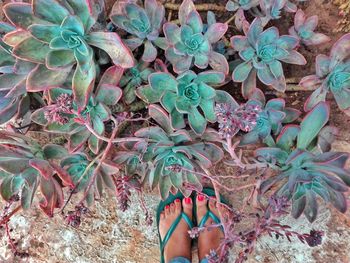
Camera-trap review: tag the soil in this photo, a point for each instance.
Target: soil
(108, 235)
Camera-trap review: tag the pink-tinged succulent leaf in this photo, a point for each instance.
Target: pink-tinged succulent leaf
(63, 175)
(294, 57)
(162, 81)
(111, 76)
(93, 142)
(311, 23)
(340, 50)
(113, 45)
(21, 15)
(53, 151)
(338, 200)
(38, 117)
(78, 139)
(325, 139)
(241, 72)
(239, 43)
(109, 167)
(150, 52)
(85, 10)
(13, 38)
(13, 164)
(195, 22)
(147, 94)
(317, 96)
(60, 59)
(43, 167)
(286, 139)
(164, 185)
(276, 104)
(218, 62)
(271, 154)
(108, 94)
(310, 82)
(312, 124)
(215, 32)
(322, 65)
(249, 85)
(185, 9)
(31, 50)
(318, 39)
(290, 7)
(287, 42)
(6, 27)
(255, 29)
(44, 33)
(49, 10)
(211, 77)
(342, 97)
(41, 78)
(161, 117)
(83, 85)
(53, 196)
(291, 115)
(172, 33)
(299, 19)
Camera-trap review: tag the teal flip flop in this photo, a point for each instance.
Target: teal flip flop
(209, 192)
(171, 230)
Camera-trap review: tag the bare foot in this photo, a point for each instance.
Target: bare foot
(208, 239)
(179, 244)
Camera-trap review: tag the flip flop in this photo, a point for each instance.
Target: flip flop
(171, 230)
(209, 192)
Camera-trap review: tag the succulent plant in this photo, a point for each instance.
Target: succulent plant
(171, 155)
(303, 173)
(241, 4)
(271, 9)
(187, 44)
(144, 24)
(304, 29)
(270, 118)
(88, 177)
(58, 36)
(14, 101)
(332, 74)
(25, 166)
(184, 95)
(134, 78)
(262, 53)
(62, 115)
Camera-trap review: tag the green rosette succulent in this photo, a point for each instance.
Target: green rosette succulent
(25, 166)
(186, 94)
(171, 156)
(144, 24)
(332, 74)
(58, 36)
(87, 178)
(134, 78)
(303, 172)
(262, 53)
(63, 115)
(14, 101)
(269, 120)
(189, 44)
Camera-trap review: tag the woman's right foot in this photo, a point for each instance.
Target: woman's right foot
(209, 239)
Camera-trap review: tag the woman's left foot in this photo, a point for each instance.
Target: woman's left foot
(179, 244)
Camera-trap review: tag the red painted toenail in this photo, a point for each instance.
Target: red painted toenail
(200, 197)
(172, 204)
(177, 200)
(167, 207)
(188, 200)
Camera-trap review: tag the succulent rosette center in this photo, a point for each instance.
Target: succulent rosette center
(338, 80)
(190, 92)
(267, 53)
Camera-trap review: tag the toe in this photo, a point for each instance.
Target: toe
(172, 208)
(167, 210)
(178, 207)
(201, 203)
(162, 216)
(212, 206)
(187, 206)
